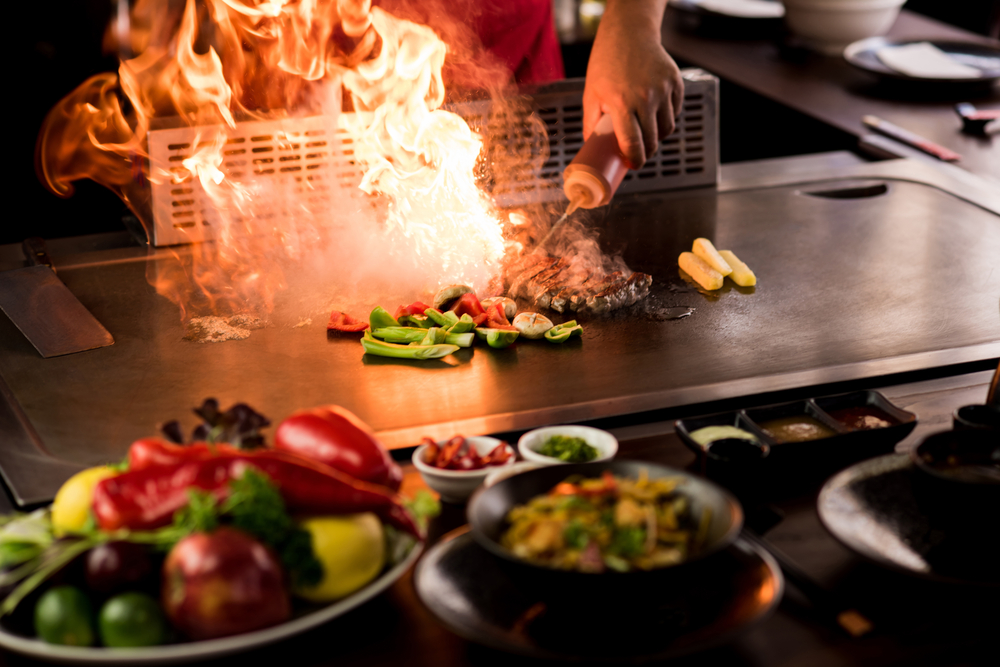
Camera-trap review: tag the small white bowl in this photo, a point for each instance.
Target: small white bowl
(455, 486)
(828, 26)
(529, 444)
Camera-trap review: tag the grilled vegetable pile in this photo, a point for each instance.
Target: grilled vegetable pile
(456, 319)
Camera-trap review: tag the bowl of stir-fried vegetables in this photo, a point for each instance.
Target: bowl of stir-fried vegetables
(607, 528)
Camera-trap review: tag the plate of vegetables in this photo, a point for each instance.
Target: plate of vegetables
(194, 550)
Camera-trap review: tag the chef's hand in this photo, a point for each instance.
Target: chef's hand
(632, 78)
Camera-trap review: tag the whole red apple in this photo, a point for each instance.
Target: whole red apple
(223, 583)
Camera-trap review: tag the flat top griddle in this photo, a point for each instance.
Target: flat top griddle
(897, 277)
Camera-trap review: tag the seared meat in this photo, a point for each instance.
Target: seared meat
(550, 282)
(517, 284)
(579, 301)
(542, 282)
(620, 294)
(573, 277)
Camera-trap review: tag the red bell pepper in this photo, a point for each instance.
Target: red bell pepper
(147, 499)
(345, 323)
(337, 438)
(497, 319)
(468, 304)
(415, 308)
(148, 452)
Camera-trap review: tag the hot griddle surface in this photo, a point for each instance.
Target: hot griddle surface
(847, 289)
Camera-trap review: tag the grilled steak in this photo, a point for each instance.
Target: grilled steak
(578, 301)
(542, 282)
(620, 294)
(517, 284)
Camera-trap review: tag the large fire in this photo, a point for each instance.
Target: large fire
(215, 67)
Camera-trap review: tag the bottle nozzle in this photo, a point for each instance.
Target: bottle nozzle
(579, 197)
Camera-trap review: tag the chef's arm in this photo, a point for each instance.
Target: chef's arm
(631, 77)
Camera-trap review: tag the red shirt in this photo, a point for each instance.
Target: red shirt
(519, 34)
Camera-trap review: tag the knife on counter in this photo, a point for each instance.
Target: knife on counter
(45, 310)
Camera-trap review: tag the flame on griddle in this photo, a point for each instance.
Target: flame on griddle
(210, 65)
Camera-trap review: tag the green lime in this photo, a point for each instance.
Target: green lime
(132, 619)
(63, 616)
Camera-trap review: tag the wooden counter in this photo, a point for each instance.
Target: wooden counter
(917, 622)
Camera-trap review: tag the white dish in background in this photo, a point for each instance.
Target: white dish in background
(455, 486)
(828, 26)
(985, 57)
(182, 652)
(743, 9)
(529, 443)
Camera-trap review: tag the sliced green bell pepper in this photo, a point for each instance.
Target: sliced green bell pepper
(498, 338)
(416, 321)
(415, 335)
(380, 318)
(446, 319)
(382, 349)
(432, 336)
(464, 325)
(561, 333)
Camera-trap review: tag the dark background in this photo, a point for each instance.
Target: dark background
(58, 46)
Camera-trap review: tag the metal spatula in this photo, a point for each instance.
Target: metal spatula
(44, 309)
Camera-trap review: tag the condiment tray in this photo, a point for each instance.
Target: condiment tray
(467, 589)
(814, 433)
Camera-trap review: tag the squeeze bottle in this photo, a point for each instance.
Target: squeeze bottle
(594, 175)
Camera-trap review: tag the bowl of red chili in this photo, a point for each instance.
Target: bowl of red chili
(454, 468)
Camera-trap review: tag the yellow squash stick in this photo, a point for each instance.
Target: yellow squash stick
(704, 249)
(741, 275)
(699, 269)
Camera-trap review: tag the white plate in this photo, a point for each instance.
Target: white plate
(211, 648)
(984, 56)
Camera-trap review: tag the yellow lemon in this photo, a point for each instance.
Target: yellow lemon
(71, 506)
(351, 549)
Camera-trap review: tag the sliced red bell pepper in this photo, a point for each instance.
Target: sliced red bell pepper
(345, 323)
(147, 499)
(497, 319)
(469, 304)
(415, 308)
(336, 437)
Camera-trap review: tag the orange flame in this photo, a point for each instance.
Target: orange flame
(218, 65)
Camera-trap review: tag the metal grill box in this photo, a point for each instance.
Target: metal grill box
(301, 162)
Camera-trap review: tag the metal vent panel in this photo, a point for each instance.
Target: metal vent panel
(292, 160)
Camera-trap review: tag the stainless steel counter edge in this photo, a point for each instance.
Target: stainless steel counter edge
(782, 172)
(625, 405)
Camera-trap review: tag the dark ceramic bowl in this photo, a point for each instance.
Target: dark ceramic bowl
(956, 484)
(984, 417)
(961, 461)
(487, 514)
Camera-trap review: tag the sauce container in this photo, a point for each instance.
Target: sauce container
(593, 177)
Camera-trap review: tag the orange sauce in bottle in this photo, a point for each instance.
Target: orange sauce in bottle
(594, 175)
